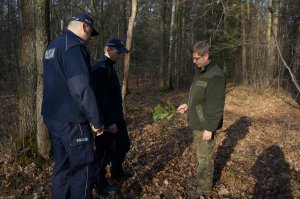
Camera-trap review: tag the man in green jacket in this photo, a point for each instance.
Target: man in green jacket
(205, 109)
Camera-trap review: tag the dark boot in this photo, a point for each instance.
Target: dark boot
(103, 187)
(120, 174)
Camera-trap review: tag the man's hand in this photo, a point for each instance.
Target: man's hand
(98, 131)
(182, 108)
(113, 128)
(207, 135)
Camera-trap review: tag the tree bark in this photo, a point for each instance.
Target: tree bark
(123, 19)
(243, 39)
(162, 45)
(42, 38)
(128, 46)
(169, 83)
(275, 28)
(176, 44)
(97, 20)
(27, 78)
(270, 45)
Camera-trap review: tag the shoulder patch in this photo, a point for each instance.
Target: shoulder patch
(49, 54)
(201, 83)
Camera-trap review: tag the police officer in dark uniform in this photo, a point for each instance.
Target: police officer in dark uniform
(114, 144)
(70, 110)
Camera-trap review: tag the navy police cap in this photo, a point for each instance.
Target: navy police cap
(118, 44)
(86, 18)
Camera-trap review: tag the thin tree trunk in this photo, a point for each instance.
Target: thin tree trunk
(124, 21)
(243, 38)
(275, 28)
(162, 43)
(169, 83)
(11, 39)
(102, 23)
(128, 46)
(98, 21)
(42, 38)
(122, 31)
(176, 43)
(270, 46)
(181, 31)
(182, 39)
(27, 79)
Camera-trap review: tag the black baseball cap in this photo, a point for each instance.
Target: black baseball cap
(118, 44)
(86, 18)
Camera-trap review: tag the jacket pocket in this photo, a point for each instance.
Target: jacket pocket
(200, 113)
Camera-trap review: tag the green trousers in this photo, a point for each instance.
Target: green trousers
(205, 158)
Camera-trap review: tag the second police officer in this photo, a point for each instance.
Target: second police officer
(113, 145)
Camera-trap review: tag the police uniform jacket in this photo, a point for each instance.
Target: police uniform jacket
(68, 95)
(206, 98)
(107, 90)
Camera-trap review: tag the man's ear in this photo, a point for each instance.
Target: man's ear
(206, 56)
(107, 50)
(84, 28)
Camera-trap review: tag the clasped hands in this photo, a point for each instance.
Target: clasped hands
(112, 129)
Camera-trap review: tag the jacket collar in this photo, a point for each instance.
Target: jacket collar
(205, 68)
(71, 35)
(108, 60)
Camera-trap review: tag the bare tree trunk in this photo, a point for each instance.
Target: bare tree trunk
(97, 12)
(97, 8)
(169, 83)
(275, 28)
(276, 17)
(42, 38)
(176, 44)
(27, 79)
(102, 23)
(296, 62)
(182, 41)
(124, 22)
(10, 39)
(128, 46)
(122, 32)
(162, 43)
(243, 38)
(270, 45)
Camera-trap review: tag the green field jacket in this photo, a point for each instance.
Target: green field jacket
(207, 98)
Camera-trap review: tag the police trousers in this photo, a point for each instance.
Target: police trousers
(205, 158)
(73, 174)
(112, 148)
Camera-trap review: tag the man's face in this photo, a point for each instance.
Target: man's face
(114, 54)
(87, 31)
(200, 60)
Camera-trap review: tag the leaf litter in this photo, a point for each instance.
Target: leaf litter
(257, 151)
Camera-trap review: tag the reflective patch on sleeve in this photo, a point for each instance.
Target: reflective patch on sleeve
(201, 83)
(49, 54)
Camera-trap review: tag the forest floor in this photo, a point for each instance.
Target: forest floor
(257, 150)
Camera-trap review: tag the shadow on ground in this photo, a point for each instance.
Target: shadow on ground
(272, 175)
(154, 159)
(234, 134)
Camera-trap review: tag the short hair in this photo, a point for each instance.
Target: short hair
(202, 47)
(74, 23)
